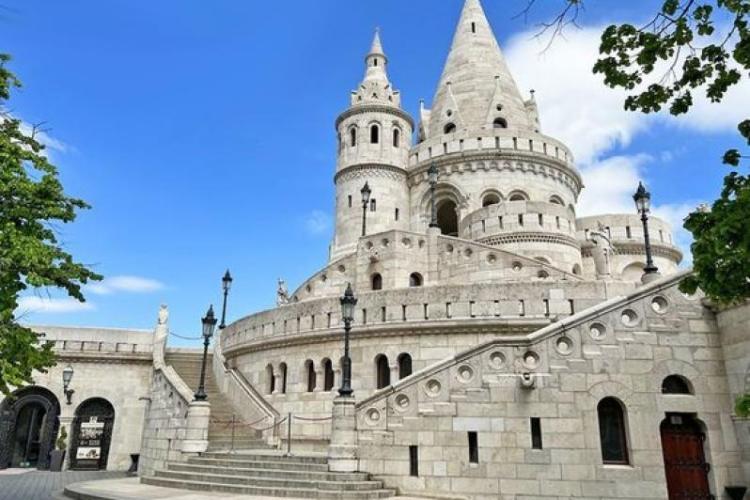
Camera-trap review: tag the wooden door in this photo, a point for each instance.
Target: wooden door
(684, 459)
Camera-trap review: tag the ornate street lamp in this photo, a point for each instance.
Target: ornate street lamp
(209, 322)
(365, 201)
(642, 200)
(67, 375)
(348, 301)
(432, 176)
(226, 284)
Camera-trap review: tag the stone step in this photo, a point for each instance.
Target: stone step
(273, 482)
(270, 456)
(268, 491)
(293, 474)
(258, 464)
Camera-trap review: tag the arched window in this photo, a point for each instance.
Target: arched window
(404, 365)
(310, 369)
(382, 371)
(270, 381)
(556, 200)
(490, 199)
(282, 377)
(353, 137)
(500, 123)
(374, 134)
(449, 128)
(415, 279)
(328, 374)
(377, 281)
(612, 432)
(447, 217)
(518, 196)
(396, 137)
(675, 384)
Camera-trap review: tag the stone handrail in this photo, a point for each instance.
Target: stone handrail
(546, 332)
(252, 393)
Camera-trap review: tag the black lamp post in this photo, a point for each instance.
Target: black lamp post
(432, 176)
(226, 284)
(348, 301)
(365, 201)
(642, 200)
(67, 375)
(209, 322)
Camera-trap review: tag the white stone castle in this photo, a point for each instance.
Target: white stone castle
(502, 348)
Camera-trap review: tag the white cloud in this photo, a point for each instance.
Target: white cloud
(127, 284)
(318, 222)
(675, 215)
(574, 104)
(42, 305)
(610, 185)
(577, 108)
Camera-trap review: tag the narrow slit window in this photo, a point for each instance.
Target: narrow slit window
(382, 314)
(329, 320)
(414, 461)
(353, 137)
(541, 220)
(395, 216)
(520, 219)
(572, 306)
(500, 221)
(350, 201)
(396, 137)
(364, 316)
(546, 307)
(373, 205)
(403, 313)
(448, 310)
(521, 308)
(374, 134)
(536, 433)
(426, 316)
(628, 233)
(473, 447)
(471, 309)
(473, 27)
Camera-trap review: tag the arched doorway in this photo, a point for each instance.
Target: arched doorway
(29, 420)
(685, 464)
(447, 217)
(91, 435)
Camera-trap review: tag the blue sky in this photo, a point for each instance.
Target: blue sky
(202, 134)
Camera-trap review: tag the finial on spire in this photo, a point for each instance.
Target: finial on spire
(377, 45)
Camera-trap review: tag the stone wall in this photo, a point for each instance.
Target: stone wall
(622, 348)
(734, 324)
(166, 417)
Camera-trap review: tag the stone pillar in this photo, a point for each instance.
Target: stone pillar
(196, 427)
(343, 449)
(394, 373)
(319, 379)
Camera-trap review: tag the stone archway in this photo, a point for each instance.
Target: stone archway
(91, 434)
(447, 217)
(29, 421)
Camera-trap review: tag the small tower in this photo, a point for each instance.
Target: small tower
(374, 137)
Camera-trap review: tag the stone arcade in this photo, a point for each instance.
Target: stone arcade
(511, 351)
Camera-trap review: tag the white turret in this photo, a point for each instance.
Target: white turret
(374, 140)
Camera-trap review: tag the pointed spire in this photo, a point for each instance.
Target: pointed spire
(375, 87)
(476, 79)
(377, 46)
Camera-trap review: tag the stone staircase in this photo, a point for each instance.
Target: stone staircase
(267, 473)
(188, 367)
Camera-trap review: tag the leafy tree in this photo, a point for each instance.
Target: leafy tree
(689, 47)
(31, 202)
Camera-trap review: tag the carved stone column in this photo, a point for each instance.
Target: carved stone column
(343, 451)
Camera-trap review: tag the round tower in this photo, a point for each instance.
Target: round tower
(374, 137)
(501, 181)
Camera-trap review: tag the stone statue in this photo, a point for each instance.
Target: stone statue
(282, 294)
(602, 251)
(163, 314)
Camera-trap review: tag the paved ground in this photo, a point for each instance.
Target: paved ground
(39, 485)
(131, 489)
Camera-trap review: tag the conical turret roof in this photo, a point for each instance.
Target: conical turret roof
(476, 86)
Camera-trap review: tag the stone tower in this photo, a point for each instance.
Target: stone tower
(374, 138)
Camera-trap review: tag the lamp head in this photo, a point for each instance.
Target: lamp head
(348, 301)
(642, 198)
(209, 322)
(67, 375)
(365, 193)
(432, 174)
(226, 281)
